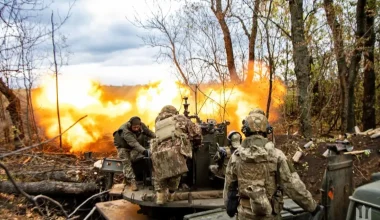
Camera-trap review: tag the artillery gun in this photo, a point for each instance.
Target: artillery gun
(201, 195)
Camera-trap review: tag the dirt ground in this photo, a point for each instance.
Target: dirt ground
(312, 164)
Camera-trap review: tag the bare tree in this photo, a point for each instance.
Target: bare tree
(302, 65)
(347, 71)
(220, 14)
(56, 77)
(21, 35)
(369, 113)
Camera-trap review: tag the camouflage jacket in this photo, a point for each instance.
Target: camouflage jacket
(273, 160)
(186, 126)
(136, 140)
(169, 156)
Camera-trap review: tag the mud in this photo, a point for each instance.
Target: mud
(312, 164)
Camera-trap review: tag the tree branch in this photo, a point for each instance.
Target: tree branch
(39, 144)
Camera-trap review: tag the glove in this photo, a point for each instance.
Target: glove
(222, 152)
(317, 209)
(317, 213)
(269, 129)
(146, 153)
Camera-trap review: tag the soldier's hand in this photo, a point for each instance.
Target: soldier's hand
(222, 152)
(318, 213)
(269, 129)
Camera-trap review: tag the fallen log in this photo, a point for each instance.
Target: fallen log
(47, 175)
(376, 135)
(49, 187)
(179, 196)
(358, 152)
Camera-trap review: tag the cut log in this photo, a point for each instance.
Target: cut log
(297, 156)
(358, 152)
(326, 153)
(375, 135)
(308, 144)
(50, 188)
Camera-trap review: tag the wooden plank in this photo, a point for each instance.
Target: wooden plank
(117, 190)
(119, 210)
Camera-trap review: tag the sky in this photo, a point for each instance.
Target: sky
(105, 46)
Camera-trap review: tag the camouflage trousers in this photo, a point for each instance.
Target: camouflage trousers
(127, 155)
(171, 183)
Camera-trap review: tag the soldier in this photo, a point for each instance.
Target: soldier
(224, 153)
(129, 141)
(269, 127)
(260, 174)
(173, 145)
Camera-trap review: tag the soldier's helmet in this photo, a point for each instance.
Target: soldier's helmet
(255, 122)
(256, 110)
(235, 139)
(169, 109)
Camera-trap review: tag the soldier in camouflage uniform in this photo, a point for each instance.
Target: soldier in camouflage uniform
(262, 174)
(223, 154)
(173, 145)
(130, 146)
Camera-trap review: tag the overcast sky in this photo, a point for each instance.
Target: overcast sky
(105, 46)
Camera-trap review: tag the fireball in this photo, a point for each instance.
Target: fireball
(109, 107)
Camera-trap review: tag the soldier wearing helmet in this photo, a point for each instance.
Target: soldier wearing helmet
(175, 135)
(269, 129)
(223, 154)
(260, 174)
(257, 110)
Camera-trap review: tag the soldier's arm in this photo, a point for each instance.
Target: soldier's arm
(195, 132)
(230, 178)
(294, 187)
(147, 131)
(132, 141)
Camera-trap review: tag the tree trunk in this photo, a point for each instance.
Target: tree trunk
(14, 109)
(252, 43)
(302, 66)
(347, 74)
(46, 175)
(56, 80)
(3, 118)
(270, 58)
(369, 113)
(49, 188)
(220, 15)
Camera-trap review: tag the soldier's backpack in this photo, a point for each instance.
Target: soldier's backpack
(167, 160)
(165, 129)
(258, 160)
(118, 141)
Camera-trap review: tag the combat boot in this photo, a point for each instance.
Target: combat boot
(134, 185)
(160, 197)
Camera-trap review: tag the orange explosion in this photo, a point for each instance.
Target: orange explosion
(109, 107)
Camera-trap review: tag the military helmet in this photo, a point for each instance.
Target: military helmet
(169, 109)
(234, 138)
(256, 110)
(233, 134)
(255, 122)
